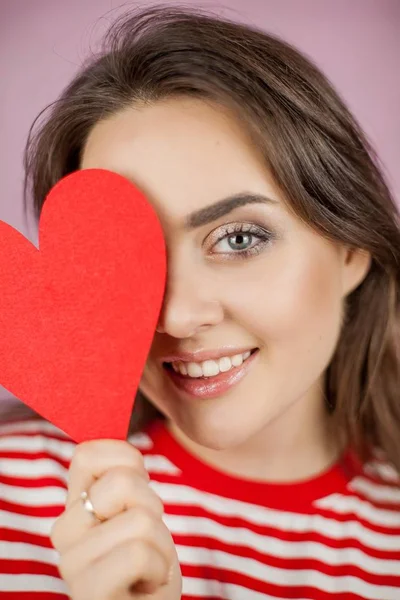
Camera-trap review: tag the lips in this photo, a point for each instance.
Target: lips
(210, 387)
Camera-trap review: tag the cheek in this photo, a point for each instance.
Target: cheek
(293, 298)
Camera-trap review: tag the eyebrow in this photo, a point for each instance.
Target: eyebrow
(223, 207)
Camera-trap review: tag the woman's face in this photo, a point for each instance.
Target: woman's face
(245, 275)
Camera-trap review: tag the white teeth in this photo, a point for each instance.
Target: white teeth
(225, 364)
(237, 360)
(194, 370)
(210, 368)
(182, 368)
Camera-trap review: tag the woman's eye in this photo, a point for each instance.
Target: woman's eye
(238, 240)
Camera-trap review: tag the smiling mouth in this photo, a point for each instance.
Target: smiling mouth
(208, 369)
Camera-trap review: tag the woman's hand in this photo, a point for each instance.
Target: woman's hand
(130, 555)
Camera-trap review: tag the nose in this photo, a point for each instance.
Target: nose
(189, 305)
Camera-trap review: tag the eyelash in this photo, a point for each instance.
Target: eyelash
(227, 231)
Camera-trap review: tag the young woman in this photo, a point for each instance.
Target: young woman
(265, 448)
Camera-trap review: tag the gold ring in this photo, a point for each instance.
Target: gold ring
(88, 506)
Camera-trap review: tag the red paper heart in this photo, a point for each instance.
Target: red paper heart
(77, 316)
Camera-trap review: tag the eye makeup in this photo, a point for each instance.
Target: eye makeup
(221, 242)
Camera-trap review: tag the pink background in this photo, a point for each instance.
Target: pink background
(43, 42)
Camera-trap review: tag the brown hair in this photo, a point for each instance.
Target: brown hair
(314, 148)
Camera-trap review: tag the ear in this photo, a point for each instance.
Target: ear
(356, 265)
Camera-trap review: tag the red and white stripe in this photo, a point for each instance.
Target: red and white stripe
(346, 546)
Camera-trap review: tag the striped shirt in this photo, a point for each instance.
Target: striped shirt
(335, 536)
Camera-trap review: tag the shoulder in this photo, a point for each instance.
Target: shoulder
(371, 497)
(379, 485)
(32, 449)
(34, 432)
(381, 471)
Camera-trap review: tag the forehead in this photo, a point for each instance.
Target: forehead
(182, 153)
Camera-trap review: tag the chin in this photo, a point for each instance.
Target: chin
(215, 434)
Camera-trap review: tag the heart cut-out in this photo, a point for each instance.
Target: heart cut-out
(77, 315)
